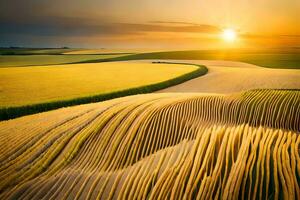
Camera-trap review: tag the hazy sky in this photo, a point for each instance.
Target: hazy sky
(148, 23)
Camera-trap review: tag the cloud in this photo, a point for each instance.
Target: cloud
(72, 26)
(175, 23)
(173, 27)
(269, 36)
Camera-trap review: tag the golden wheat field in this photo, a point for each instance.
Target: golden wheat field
(21, 86)
(157, 146)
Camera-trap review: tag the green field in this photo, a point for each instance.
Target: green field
(62, 51)
(271, 58)
(286, 59)
(31, 85)
(34, 51)
(30, 60)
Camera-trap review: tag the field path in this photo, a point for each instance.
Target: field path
(227, 77)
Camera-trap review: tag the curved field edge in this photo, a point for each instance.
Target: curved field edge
(18, 111)
(158, 146)
(49, 84)
(277, 59)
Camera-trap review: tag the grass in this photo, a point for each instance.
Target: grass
(62, 51)
(102, 51)
(27, 90)
(157, 146)
(34, 51)
(37, 60)
(271, 59)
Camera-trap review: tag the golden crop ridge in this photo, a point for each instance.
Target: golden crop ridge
(84, 83)
(157, 146)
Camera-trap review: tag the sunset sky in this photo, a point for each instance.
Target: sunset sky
(148, 23)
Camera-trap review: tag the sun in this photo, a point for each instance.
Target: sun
(229, 35)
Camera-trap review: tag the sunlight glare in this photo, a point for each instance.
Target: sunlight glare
(229, 35)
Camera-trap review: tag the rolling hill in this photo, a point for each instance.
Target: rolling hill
(157, 146)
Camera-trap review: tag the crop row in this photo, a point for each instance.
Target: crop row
(157, 146)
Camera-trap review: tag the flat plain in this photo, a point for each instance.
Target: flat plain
(225, 77)
(38, 60)
(270, 58)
